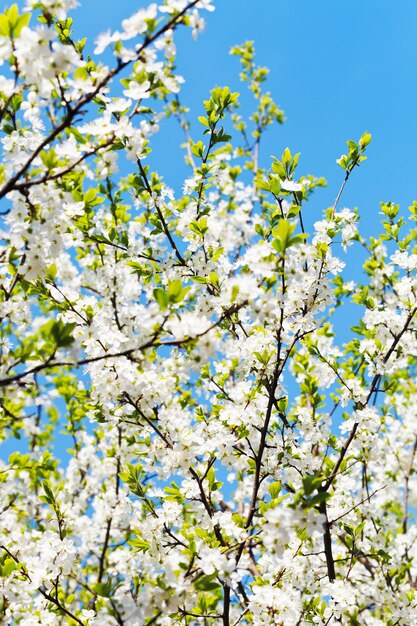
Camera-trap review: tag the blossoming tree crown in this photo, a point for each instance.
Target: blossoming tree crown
(233, 458)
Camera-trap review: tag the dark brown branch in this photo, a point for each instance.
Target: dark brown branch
(226, 605)
(48, 176)
(148, 421)
(355, 506)
(327, 540)
(104, 550)
(152, 343)
(161, 216)
(264, 432)
(60, 606)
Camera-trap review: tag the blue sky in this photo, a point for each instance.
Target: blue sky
(337, 69)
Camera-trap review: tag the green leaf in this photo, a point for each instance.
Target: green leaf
(140, 544)
(311, 482)
(90, 199)
(140, 269)
(261, 184)
(365, 140)
(176, 292)
(211, 478)
(51, 272)
(9, 565)
(62, 333)
(174, 493)
(220, 137)
(207, 583)
(104, 590)
(318, 498)
(275, 185)
(199, 226)
(162, 298)
(286, 157)
(352, 145)
(282, 235)
(4, 25)
(174, 289)
(278, 168)
(203, 280)
(198, 149)
(342, 161)
(100, 239)
(275, 489)
(12, 23)
(49, 496)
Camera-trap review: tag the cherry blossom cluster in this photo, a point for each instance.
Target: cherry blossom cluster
(240, 412)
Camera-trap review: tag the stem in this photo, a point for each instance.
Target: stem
(327, 540)
(342, 187)
(161, 216)
(406, 485)
(226, 605)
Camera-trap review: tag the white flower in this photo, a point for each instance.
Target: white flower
(137, 91)
(104, 40)
(137, 23)
(290, 185)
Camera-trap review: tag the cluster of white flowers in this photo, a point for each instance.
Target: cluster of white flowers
(232, 460)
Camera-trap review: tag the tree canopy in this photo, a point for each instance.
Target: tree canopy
(240, 406)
